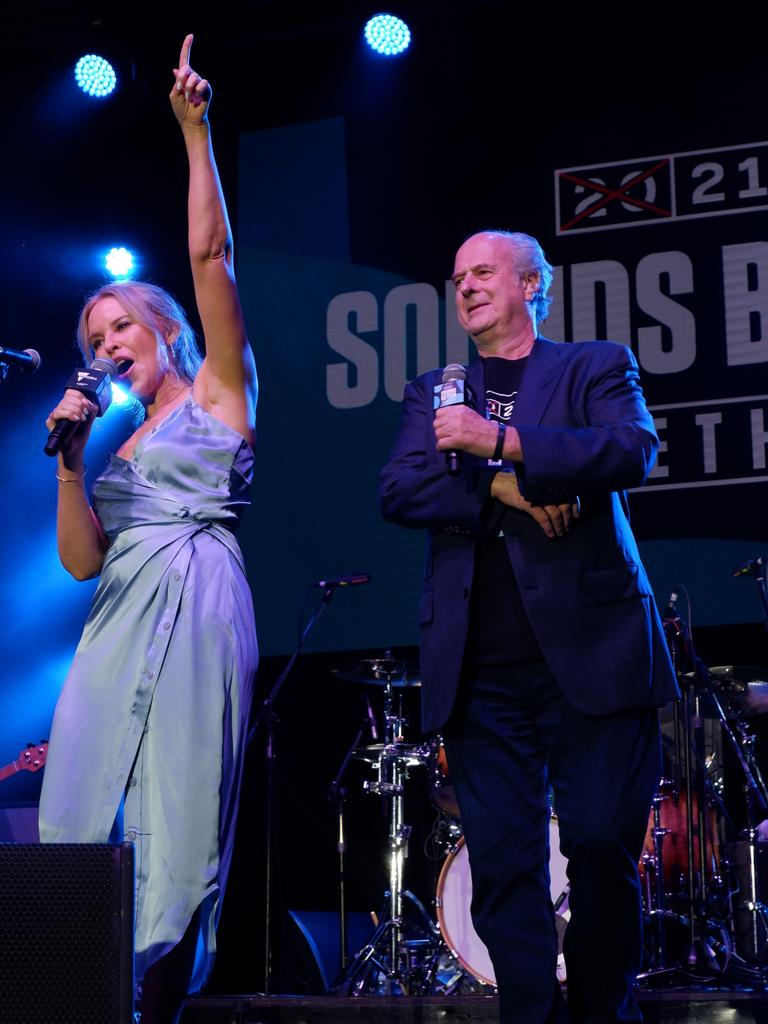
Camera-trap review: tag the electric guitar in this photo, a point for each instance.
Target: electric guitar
(31, 759)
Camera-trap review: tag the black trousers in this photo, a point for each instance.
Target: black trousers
(512, 743)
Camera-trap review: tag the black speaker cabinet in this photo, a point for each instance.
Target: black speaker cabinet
(66, 933)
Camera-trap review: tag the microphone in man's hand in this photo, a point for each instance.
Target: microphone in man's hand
(95, 383)
(452, 390)
(26, 360)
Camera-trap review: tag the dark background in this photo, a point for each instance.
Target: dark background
(463, 132)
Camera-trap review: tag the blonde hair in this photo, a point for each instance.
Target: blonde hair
(155, 309)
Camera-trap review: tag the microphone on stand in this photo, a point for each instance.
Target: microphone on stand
(353, 579)
(754, 567)
(95, 383)
(26, 360)
(670, 612)
(675, 627)
(452, 390)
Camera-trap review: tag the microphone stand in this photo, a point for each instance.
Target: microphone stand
(267, 717)
(756, 567)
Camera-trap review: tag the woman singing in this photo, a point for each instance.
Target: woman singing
(149, 732)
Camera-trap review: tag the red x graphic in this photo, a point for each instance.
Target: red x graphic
(619, 193)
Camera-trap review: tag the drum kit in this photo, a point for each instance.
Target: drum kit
(703, 878)
(412, 952)
(701, 882)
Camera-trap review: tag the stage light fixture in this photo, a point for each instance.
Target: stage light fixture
(119, 262)
(95, 75)
(387, 34)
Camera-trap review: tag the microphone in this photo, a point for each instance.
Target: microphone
(95, 384)
(452, 390)
(754, 567)
(353, 579)
(371, 719)
(670, 612)
(26, 360)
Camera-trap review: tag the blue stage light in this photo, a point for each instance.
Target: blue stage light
(119, 262)
(119, 396)
(95, 75)
(387, 35)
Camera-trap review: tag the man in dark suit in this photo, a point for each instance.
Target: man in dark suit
(543, 658)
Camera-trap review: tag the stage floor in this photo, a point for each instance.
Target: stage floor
(668, 1007)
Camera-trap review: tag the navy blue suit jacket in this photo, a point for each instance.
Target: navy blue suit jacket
(585, 430)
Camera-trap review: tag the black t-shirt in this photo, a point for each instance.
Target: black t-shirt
(499, 630)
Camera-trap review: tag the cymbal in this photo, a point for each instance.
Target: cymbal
(380, 671)
(745, 685)
(411, 753)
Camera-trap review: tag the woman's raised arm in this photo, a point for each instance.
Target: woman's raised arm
(227, 382)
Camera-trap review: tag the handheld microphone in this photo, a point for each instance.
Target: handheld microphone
(26, 360)
(453, 390)
(96, 384)
(754, 567)
(353, 579)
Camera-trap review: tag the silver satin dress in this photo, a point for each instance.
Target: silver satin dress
(153, 715)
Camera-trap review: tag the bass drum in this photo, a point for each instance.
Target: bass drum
(454, 897)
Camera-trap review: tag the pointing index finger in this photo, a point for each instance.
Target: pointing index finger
(186, 49)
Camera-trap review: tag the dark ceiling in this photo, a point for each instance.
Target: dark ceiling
(485, 89)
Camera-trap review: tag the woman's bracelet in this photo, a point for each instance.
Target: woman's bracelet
(72, 479)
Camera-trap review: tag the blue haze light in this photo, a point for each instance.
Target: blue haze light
(95, 76)
(387, 35)
(119, 262)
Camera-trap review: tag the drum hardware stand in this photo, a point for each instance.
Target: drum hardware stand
(742, 741)
(697, 895)
(756, 795)
(337, 793)
(655, 895)
(689, 730)
(689, 751)
(268, 718)
(756, 908)
(709, 937)
(388, 952)
(754, 788)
